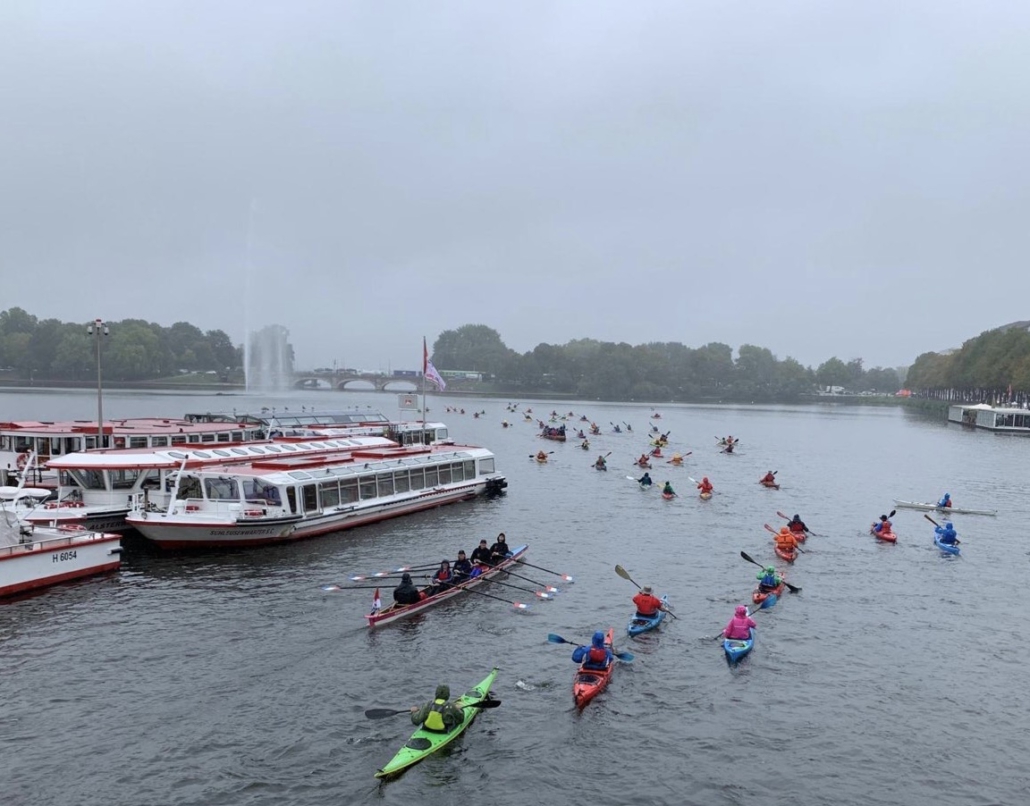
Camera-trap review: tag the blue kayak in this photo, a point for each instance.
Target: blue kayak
(641, 624)
(947, 548)
(736, 648)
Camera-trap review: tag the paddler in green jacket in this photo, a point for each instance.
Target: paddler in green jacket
(438, 715)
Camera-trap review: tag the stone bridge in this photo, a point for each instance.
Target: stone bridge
(340, 381)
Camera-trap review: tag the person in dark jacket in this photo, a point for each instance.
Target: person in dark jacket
(482, 553)
(439, 714)
(406, 593)
(461, 568)
(595, 656)
(499, 550)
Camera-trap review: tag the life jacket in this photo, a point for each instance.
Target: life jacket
(796, 526)
(785, 541)
(597, 656)
(886, 526)
(434, 720)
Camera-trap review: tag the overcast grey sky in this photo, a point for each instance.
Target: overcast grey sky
(819, 178)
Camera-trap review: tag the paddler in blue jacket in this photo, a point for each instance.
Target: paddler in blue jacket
(462, 568)
(438, 715)
(595, 656)
(947, 535)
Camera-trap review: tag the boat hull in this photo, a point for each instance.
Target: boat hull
(946, 547)
(90, 518)
(944, 510)
(736, 649)
(426, 742)
(54, 556)
(395, 612)
(588, 683)
(886, 537)
(706, 496)
(641, 624)
(771, 485)
(785, 555)
(765, 600)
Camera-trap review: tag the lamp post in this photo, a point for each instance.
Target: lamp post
(96, 330)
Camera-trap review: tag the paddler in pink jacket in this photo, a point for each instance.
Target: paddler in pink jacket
(739, 628)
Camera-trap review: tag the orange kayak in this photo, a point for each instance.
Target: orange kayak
(588, 683)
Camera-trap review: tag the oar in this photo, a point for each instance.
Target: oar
(331, 588)
(516, 605)
(767, 526)
(787, 518)
(557, 639)
(791, 588)
(533, 455)
(544, 585)
(565, 577)
(382, 713)
(622, 572)
(539, 594)
(391, 574)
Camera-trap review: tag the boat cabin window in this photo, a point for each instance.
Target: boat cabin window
(179, 439)
(310, 498)
(432, 477)
(348, 491)
(137, 442)
(330, 492)
(159, 442)
(88, 479)
(258, 491)
(367, 485)
(237, 436)
(91, 443)
(123, 479)
(385, 483)
(469, 469)
(189, 487)
(486, 465)
(417, 478)
(400, 481)
(291, 498)
(194, 438)
(224, 437)
(222, 488)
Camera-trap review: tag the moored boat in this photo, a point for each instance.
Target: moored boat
(737, 648)
(426, 742)
(640, 624)
(281, 492)
(395, 612)
(588, 683)
(766, 599)
(887, 537)
(944, 510)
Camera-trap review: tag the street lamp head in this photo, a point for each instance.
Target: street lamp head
(97, 327)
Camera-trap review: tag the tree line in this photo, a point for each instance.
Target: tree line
(997, 359)
(655, 371)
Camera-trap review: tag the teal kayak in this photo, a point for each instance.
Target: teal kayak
(426, 742)
(641, 624)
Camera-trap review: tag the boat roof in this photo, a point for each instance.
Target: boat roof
(128, 427)
(285, 417)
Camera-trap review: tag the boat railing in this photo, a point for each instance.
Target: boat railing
(75, 536)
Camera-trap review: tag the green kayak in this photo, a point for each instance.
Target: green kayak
(426, 742)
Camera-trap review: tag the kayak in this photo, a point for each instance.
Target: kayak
(801, 537)
(600, 467)
(944, 510)
(766, 600)
(888, 537)
(643, 464)
(947, 548)
(641, 624)
(588, 683)
(705, 496)
(426, 742)
(736, 648)
(784, 554)
(668, 496)
(541, 459)
(772, 485)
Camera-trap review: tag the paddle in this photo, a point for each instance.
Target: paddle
(602, 464)
(768, 527)
(791, 588)
(683, 456)
(535, 455)
(382, 713)
(565, 577)
(893, 511)
(622, 572)
(957, 541)
(557, 639)
(785, 517)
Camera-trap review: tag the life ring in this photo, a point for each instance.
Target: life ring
(23, 460)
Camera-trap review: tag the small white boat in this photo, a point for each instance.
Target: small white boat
(943, 510)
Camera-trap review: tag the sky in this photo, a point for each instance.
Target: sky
(843, 179)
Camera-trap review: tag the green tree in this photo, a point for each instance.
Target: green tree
(833, 372)
(470, 347)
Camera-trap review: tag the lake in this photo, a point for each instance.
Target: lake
(896, 675)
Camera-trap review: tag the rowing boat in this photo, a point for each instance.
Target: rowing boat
(947, 548)
(944, 510)
(736, 648)
(641, 624)
(426, 742)
(394, 611)
(588, 683)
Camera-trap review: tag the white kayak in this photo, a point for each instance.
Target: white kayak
(944, 510)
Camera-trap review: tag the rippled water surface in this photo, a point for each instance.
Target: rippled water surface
(896, 676)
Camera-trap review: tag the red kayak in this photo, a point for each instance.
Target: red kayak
(588, 683)
(799, 536)
(784, 554)
(760, 597)
(772, 485)
(887, 537)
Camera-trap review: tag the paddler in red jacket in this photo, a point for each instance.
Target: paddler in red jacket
(705, 486)
(647, 603)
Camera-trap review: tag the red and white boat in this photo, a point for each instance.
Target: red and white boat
(33, 557)
(276, 492)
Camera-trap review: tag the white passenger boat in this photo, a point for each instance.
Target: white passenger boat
(394, 612)
(943, 510)
(294, 491)
(38, 557)
(999, 419)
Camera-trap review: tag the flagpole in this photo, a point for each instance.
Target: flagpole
(425, 359)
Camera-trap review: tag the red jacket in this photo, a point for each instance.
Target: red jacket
(647, 604)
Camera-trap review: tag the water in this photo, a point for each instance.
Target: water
(895, 676)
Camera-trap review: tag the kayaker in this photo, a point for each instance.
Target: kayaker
(785, 540)
(601, 463)
(740, 626)
(499, 550)
(645, 480)
(647, 603)
(462, 568)
(945, 502)
(439, 714)
(705, 486)
(581, 435)
(676, 459)
(443, 578)
(595, 656)
(797, 525)
(585, 444)
(768, 478)
(481, 554)
(884, 526)
(406, 593)
(667, 489)
(644, 460)
(947, 535)
(768, 579)
(541, 456)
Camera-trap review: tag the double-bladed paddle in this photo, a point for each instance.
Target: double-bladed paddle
(787, 518)
(382, 713)
(773, 531)
(791, 588)
(622, 572)
(557, 639)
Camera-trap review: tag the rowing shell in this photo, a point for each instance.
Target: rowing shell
(944, 510)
